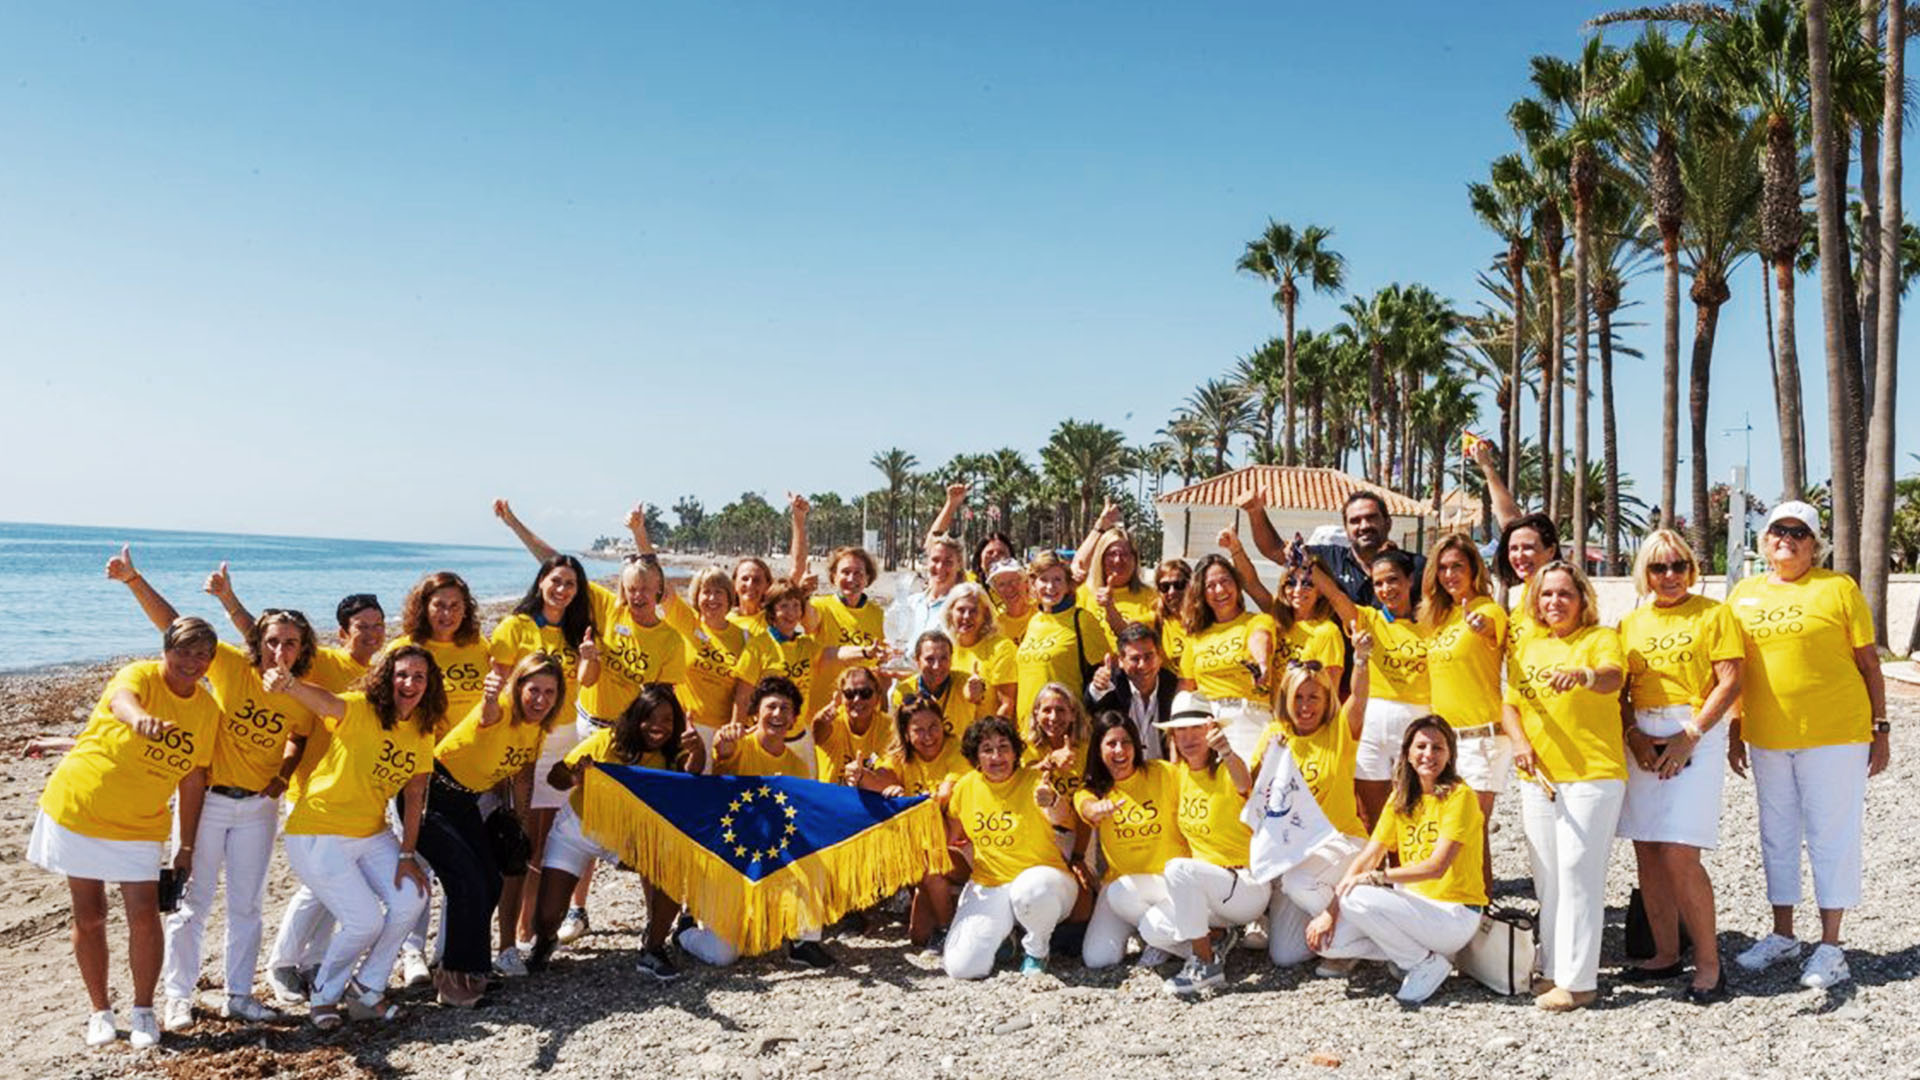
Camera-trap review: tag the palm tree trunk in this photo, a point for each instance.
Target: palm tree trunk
(1292, 457)
(1786, 387)
(1582, 314)
(1609, 438)
(1557, 359)
(1841, 371)
(1517, 271)
(1869, 277)
(1708, 296)
(1670, 377)
(1877, 519)
(1376, 379)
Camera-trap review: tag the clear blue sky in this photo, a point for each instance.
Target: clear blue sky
(354, 269)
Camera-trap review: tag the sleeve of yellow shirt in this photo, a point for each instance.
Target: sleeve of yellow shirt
(1724, 639)
(1859, 620)
(753, 660)
(503, 646)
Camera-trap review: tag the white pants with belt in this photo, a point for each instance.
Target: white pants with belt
(1302, 893)
(1816, 796)
(1399, 926)
(1037, 900)
(1122, 909)
(353, 876)
(1242, 720)
(1201, 896)
(235, 835)
(1568, 840)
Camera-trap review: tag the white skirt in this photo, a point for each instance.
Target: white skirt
(561, 739)
(55, 847)
(1486, 762)
(568, 847)
(1684, 809)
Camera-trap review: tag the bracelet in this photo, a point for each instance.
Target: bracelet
(1377, 877)
(1692, 728)
(1588, 676)
(409, 856)
(1881, 727)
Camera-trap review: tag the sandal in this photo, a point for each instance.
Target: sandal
(458, 989)
(325, 1017)
(364, 1004)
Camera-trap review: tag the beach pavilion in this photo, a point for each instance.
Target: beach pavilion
(1298, 499)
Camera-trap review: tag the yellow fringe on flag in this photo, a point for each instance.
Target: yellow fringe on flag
(806, 894)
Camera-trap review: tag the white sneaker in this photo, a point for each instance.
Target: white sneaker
(176, 1014)
(574, 926)
(1768, 951)
(101, 1030)
(1153, 957)
(509, 963)
(413, 969)
(1423, 979)
(287, 985)
(1826, 968)
(143, 1029)
(248, 1007)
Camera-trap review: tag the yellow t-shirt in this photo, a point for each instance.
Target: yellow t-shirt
(254, 725)
(957, 712)
(1209, 820)
(1325, 759)
(1463, 665)
(1144, 831)
(794, 658)
(1065, 782)
(479, 756)
(1576, 733)
(1136, 605)
(755, 623)
(463, 670)
(925, 777)
(335, 670)
(1671, 650)
(1311, 639)
(1009, 832)
(519, 635)
(599, 747)
(1800, 687)
(363, 767)
(1046, 654)
(841, 624)
(1454, 816)
(1216, 658)
(115, 784)
(994, 653)
(751, 759)
(1013, 626)
(1173, 643)
(711, 656)
(631, 656)
(842, 746)
(1398, 666)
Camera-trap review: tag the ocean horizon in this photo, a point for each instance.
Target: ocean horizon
(57, 605)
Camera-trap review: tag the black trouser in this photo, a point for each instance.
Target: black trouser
(453, 840)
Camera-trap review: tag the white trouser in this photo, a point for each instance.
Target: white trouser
(1568, 840)
(1399, 926)
(1201, 896)
(1121, 910)
(306, 928)
(1304, 892)
(568, 849)
(1038, 899)
(715, 951)
(1380, 733)
(236, 834)
(353, 876)
(1242, 720)
(1819, 796)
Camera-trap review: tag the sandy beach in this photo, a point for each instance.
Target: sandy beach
(888, 1011)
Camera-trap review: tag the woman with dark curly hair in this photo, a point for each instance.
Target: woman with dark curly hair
(338, 841)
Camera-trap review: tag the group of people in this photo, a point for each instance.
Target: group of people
(1091, 729)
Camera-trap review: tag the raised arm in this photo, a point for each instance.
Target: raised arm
(220, 587)
(1504, 508)
(637, 526)
(1355, 706)
(535, 546)
(1337, 598)
(120, 568)
(799, 508)
(943, 521)
(1265, 537)
(1083, 556)
(1243, 566)
(281, 681)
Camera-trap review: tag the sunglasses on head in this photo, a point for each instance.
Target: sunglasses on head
(1175, 585)
(1678, 566)
(1790, 531)
(1308, 666)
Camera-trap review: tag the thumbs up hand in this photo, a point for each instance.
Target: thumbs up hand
(120, 567)
(976, 688)
(219, 584)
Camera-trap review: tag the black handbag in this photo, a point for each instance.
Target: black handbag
(512, 849)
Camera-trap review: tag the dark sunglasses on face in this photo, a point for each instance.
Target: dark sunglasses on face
(1791, 532)
(1173, 586)
(1678, 566)
(858, 693)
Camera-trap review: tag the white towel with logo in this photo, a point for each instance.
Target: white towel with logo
(1287, 822)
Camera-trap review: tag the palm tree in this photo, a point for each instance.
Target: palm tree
(1504, 205)
(1082, 457)
(1262, 374)
(1547, 169)
(1877, 518)
(1827, 198)
(1220, 408)
(897, 466)
(1370, 321)
(1281, 257)
(1621, 250)
(1004, 476)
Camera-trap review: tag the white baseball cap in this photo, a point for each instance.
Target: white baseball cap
(1795, 510)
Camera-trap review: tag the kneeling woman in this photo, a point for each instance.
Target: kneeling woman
(1008, 813)
(1432, 823)
(478, 755)
(925, 760)
(1133, 803)
(652, 734)
(337, 836)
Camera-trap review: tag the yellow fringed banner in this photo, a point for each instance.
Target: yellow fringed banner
(808, 893)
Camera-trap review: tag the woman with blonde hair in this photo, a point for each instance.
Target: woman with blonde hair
(1109, 568)
(1063, 642)
(1684, 659)
(1814, 725)
(714, 644)
(982, 655)
(1563, 687)
(1228, 653)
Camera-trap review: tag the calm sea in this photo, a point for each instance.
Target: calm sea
(57, 605)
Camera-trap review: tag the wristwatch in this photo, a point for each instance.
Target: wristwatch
(1881, 727)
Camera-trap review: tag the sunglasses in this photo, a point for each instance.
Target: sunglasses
(1678, 566)
(1791, 532)
(1173, 586)
(859, 693)
(1308, 666)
